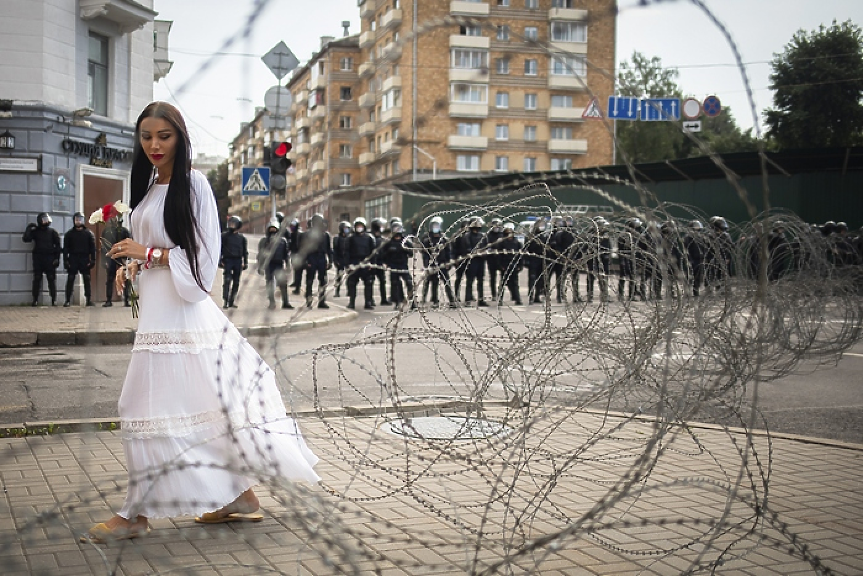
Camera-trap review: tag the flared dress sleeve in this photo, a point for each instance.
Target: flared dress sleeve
(209, 244)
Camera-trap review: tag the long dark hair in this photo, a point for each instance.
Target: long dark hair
(180, 221)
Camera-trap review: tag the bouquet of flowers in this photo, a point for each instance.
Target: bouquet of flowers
(110, 215)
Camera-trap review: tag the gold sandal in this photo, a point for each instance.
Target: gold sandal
(101, 534)
(216, 518)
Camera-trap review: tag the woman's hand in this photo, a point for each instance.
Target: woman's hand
(128, 249)
(120, 277)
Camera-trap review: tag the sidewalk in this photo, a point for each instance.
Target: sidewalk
(396, 506)
(77, 325)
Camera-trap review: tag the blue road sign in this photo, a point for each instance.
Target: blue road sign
(712, 106)
(623, 108)
(256, 181)
(660, 109)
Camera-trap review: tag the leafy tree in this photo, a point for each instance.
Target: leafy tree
(659, 141)
(221, 186)
(818, 83)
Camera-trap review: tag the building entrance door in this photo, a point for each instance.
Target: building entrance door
(98, 190)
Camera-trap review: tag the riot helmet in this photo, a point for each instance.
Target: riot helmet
(43, 219)
(280, 216)
(273, 223)
(78, 219)
(634, 223)
(841, 227)
(235, 222)
(317, 221)
(828, 228)
(344, 227)
(398, 229)
(696, 225)
(496, 223)
(359, 225)
(477, 223)
(719, 223)
(435, 225)
(509, 228)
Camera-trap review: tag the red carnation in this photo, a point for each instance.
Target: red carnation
(108, 212)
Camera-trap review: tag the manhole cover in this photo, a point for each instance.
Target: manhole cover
(447, 428)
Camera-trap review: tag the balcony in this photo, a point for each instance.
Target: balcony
(319, 112)
(559, 114)
(578, 146)
(461, 8)
(303, 122)
(367, 129)
(367, 158)
(367, 38)
(391, 19)
(391, 82)
(468, 110)
(467, 142)
(302, 97)
(367, 9)
(392, 115)
(318, 139)
(567, 81)
(319, 167)
(366, 69)
(570, 47)
(367, 100)
(291, 180)
(472, 75)
(392, 51)
(320, 82)
(303, 149)
(390, 147)
(302, 175)
(567, 14)
(476, 42)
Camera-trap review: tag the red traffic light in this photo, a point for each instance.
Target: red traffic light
(279, 163)
(282, 149)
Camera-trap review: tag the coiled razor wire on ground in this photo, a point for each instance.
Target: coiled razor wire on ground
(483, 421)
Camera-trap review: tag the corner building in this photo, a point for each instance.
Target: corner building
(449, 88)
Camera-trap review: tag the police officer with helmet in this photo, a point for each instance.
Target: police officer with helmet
(318, 248)
(360, 246)
(79, 257)
(436, 259)
(340, 256)
(46, 255)
(235, 259)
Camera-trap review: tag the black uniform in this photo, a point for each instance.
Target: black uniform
(627, 248)
(360, 245)
(696, 252)
(475, 243)
(537, 261)
(377, 272)
(112, 234)
(562, 243)
(598, 262)
(459, 249)
(508, 261)
(317, 246)
(493, 240)
(79, 257)
(46, 258)
(340, 256)
(274, 247)
(292, 235)
(436, 259)
(235, 259)
(396, 254)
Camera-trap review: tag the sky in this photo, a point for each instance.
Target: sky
(217, 88)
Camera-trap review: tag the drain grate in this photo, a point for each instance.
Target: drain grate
(447, 428)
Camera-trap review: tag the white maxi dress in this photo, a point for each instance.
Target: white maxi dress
(202, 419)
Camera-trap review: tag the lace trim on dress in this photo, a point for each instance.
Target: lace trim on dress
(186, 341)
(178, 426)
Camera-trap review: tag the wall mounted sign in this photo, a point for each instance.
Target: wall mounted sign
(100, 153)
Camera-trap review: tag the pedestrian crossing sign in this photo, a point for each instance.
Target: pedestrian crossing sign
(256, 181)
(593, 111)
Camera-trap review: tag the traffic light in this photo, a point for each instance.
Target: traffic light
(279, 161)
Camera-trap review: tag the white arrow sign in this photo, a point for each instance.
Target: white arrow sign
(692, 126)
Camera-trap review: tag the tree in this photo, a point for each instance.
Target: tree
(659, 141)
(818, 84)
(221, 186)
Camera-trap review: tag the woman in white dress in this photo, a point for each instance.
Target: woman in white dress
(202, 420)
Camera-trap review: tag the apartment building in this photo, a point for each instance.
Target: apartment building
(448, 88)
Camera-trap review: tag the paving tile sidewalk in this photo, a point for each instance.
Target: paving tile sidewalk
(413, 507)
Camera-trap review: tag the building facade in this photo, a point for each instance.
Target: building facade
(76, 74)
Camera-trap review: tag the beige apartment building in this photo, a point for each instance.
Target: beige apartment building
(447, 88)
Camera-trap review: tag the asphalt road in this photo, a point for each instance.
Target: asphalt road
(354, 365)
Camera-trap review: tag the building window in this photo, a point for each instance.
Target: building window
(530, 133)
(561, 163)
(530, 67)
(531, 4)
(346, 64)
(467, 129)
(345, 151)
(345, 180)
(467, 163)
(561, 3)
(530, 33)
(503, 32)
(504, 3)
(97, 74)
(470, 59)
(501, 100)
(501, 163)
(471, 30)
(396, 168)
(568, 32)
(395, 133)
(321, 68)
(473, 93)
(530, 164)
(568, 66)
(378, 208)
(345, 122)
(530, 101)
(561, 101)
(391, 99)
(501, 132)
(561, 133)
(501, 65)
(345, 93)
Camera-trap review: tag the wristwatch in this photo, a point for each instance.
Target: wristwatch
(157, 256)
